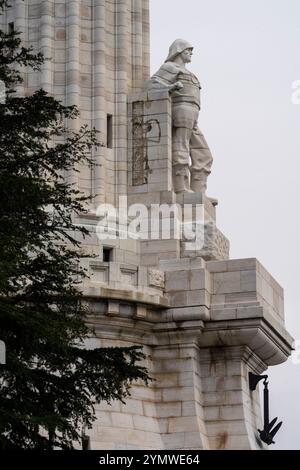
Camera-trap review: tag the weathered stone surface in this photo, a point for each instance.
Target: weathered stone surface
(215, 247)
(156, 278)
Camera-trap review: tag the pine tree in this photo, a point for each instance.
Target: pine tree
(51, 381)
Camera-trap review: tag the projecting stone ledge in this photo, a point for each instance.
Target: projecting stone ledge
(220, 320)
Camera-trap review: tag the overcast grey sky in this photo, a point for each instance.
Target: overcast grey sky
(247, 57)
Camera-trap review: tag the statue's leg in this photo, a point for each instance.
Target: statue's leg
(181, 145)
(181, 136)
(201, 161)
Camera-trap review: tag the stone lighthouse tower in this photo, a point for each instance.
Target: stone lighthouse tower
(205, 321)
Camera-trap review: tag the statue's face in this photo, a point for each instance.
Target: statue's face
(187, 55)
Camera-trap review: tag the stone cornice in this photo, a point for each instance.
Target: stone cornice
(271, 345)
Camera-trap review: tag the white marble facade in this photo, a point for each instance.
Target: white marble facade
(205, 321)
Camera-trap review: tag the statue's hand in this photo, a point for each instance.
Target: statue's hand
(176, 86)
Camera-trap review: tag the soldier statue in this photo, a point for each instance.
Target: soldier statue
(191, 156)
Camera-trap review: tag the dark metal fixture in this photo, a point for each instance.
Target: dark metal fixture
(269, 431)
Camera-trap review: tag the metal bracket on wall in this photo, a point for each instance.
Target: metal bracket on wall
(269, 431)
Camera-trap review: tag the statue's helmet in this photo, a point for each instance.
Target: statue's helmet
(177, 47)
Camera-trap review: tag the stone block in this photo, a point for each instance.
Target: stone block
(159, 165)
(178, 394)
(128, 275)
(159, 106)
(158, 186)
(240, 299)
(188, 408)
(159, 246)
(169, 379)
(115, 405)
(104, 418)
(145, 423)
(248, 281)
(232, 413)
(168, 410)
(217, 266)
(177, 280)
(233, 397)
(99, 272)
(140, 96)
(186, 379)
(166, 365)
(200, 279)
(146, 199)
(146, 394)
(106, 434)
(122, 420)
(193, 440)
(178, 299)
(212, 413)
(159, 152)
(229, 427)
(223, 314)
(233, 383)
(158, 95)
(242, 442)
(162, 352)
(198, 297)
(173, 440)
(182, 424)
(182, 264)
(227, 282)
(150, 259)
(132, 407)
(141, 312)
(149, 409)
(249, 312)
(199, 312)
(113, 308)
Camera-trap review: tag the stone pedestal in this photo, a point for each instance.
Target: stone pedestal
(150, 183)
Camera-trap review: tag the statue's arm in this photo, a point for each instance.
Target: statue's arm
(164, 79)
(158, 84)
